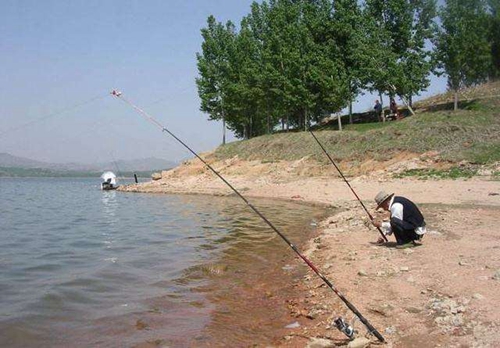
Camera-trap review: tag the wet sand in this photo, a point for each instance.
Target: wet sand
(246, 290)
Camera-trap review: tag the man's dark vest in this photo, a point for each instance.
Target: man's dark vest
(411, 214)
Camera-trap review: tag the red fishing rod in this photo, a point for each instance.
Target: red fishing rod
(369, 326)
(347, 182)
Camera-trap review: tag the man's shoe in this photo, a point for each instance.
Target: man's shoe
(404, 246)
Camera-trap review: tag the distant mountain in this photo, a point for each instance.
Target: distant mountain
(138, 165)
(7, 160)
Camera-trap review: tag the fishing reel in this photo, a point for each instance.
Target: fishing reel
(344, 327)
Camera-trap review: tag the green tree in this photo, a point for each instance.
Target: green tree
(400, 32)
(333, 81)
(214, 69)
(494, 7)
(305, 70)
(351, 44)
(417, 60)
(381, 27)
(463, 49)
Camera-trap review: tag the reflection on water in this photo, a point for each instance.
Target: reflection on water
(109, 205)
(84, 267)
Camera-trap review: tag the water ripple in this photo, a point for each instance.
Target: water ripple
(78, 262)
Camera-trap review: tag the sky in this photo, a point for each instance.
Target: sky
(60, 59)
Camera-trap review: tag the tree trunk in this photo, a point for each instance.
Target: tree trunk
(306, 120)
(223, 128)
(250, 128)
(382, 104)
(268, 124)
(287, 122)
(455, 100)
(223, 120)
(350, 102)
(350, 111)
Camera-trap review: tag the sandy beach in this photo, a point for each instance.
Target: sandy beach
(440, 294)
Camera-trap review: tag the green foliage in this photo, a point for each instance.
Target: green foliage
(462, 43)
(399, 31)
(466, 135)
(429, 173)
(494, 36)
(483, 153)
(291, 62)
(214, 66)
(282, 64)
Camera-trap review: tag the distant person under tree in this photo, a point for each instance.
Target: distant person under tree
(378, 110)
(394, 109)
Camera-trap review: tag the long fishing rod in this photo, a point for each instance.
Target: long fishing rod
(347, 182)
(370, 328)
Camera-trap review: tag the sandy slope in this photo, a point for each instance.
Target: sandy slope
(443, 293)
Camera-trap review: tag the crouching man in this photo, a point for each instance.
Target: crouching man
(407, 222)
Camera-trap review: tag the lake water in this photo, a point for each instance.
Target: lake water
(81, 267)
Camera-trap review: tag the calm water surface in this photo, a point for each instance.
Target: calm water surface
(82, 267)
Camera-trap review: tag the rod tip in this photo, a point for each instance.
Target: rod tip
(116, 93)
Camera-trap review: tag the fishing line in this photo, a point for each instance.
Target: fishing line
(54, 114)
(347, 182)
(149, 118)
(161, 100)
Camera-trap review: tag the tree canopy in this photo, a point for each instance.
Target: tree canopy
(291, 62)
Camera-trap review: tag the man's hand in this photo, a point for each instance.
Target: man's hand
(377, 223)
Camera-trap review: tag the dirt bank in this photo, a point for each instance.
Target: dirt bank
(443, 293)
(311, 181)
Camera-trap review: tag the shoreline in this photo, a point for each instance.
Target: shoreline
(445, 312)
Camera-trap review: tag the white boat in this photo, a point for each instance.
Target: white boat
(109, 181)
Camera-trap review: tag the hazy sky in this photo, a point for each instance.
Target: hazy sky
(55, 55)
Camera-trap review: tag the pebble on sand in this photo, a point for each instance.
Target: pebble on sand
(360, 342)
(362, 273)
(477, 296)
(293, 325)
(320, 343)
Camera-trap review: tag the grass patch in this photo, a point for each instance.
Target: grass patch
(471, 134)
(483, 153)
(428, 173)
(364, 127)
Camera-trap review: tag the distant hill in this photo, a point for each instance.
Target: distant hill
(7, 160)
(22, 167)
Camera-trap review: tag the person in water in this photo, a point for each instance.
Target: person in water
(406, 221)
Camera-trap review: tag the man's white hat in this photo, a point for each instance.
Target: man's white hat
(381, 197)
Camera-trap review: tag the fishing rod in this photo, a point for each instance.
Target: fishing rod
(369, 326)
(347, 182)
